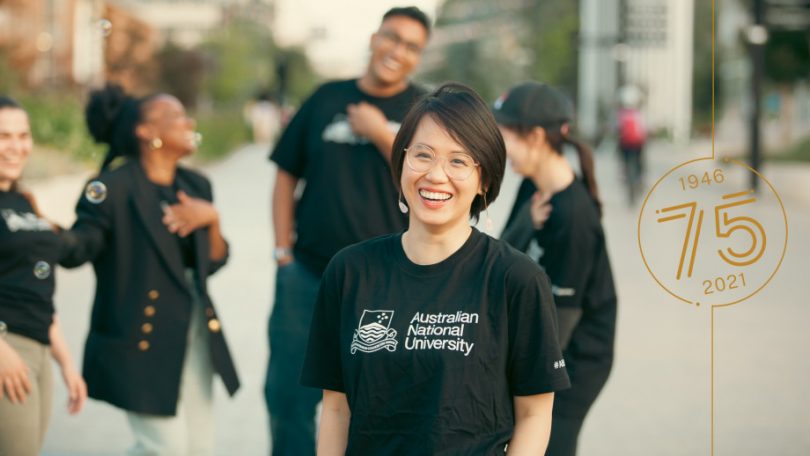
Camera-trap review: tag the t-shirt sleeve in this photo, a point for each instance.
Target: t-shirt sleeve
(322, 364)
(290, 153)
(568, 255)
(535, 364)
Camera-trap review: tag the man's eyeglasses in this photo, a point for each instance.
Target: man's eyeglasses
(395, 40)
(421, 159)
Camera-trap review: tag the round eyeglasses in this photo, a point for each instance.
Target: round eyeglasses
(421, 159)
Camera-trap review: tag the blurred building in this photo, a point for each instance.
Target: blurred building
(52, 42)
(645, 43)
(63, 43)
(186, 22)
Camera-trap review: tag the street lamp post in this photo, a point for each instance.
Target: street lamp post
(757, 37)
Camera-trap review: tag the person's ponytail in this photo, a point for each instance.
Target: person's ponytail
(586, 165)
(111, 117)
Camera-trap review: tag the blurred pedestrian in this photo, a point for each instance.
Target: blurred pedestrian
(29, 330)
(339, 143)
(535, 121)
(441, 339)
(152, 233)
(264, 117)
(632, 137)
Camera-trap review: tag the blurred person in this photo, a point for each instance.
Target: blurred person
(569, 243)
(264, 117)
(339, 144)
(153, 235)
(29, 329)
(439, 339)
(632, 136)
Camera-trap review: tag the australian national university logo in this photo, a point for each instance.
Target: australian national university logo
(374, 332)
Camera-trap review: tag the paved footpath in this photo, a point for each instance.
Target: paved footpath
(655, 403)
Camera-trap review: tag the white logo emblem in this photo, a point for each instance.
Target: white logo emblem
(25, 221)
(340, 131)
(373, 333)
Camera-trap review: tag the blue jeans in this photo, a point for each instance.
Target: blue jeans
(291, 406)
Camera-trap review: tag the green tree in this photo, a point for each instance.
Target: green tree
(241, 59)
(301, 78)
(539, 42)
(553, 25)
(787, 54)
(181, 73)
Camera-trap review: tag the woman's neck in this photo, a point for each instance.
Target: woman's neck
(553, 173)
(159, 168)
(425, 246)
(5, 185)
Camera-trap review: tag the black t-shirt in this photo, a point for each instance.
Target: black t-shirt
(573, 252)
(29, 252)
(430, 357)
(349, 194)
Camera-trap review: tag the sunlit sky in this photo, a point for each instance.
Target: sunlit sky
(336, 33)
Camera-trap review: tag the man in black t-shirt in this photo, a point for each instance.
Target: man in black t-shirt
(339, 143)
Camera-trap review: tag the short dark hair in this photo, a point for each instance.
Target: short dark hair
(411, 12)
(469, 121)
(7, 102)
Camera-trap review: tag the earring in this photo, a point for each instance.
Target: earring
(488, 220)
(155, 143)
(402, 207)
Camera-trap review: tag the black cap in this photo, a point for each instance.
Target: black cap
(533, 104)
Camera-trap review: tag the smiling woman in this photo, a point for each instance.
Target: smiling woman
(29, 329)
(441, 339)
(151, 230)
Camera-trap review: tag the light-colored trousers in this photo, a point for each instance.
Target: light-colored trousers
(191, 431)
(23, 426)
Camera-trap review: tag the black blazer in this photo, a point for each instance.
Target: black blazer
(134, 353)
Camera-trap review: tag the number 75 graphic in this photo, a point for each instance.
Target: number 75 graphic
(725, 225)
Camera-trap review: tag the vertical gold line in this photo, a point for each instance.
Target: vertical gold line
(692, 205)
(712, 388)
(712, 318)
(695, 244)
(712, 78)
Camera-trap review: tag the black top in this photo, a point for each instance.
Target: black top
(349, 194)
(29, 251)
(573, 252)
(430, 357)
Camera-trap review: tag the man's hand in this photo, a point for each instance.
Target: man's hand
(367, 120)
(189, 214)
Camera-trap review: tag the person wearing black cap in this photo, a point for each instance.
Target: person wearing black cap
(152, 233)
(567, 239)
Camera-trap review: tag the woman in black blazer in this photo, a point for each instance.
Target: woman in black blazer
(152, 233)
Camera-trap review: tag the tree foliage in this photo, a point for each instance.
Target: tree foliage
(509, 42)
(787, 56)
